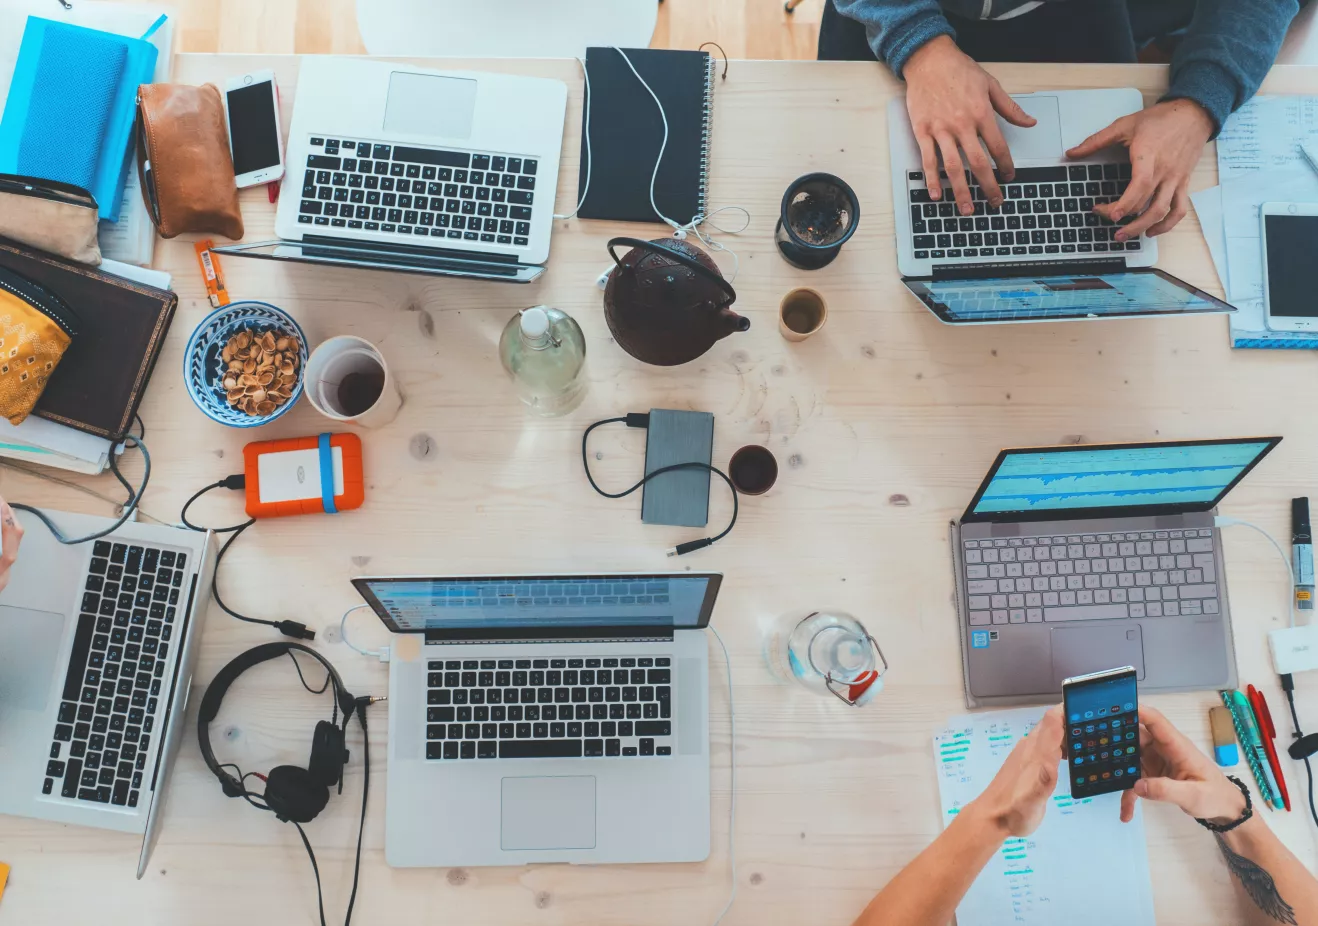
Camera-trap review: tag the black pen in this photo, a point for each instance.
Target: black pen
(1302, 553)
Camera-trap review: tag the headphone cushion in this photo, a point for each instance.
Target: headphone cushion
(328, 754)
(294, 794)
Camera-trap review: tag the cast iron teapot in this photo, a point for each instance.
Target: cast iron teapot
(666, 302)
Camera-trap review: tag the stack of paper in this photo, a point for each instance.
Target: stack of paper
(1036, 879)
(1258, 161)
(132, 238)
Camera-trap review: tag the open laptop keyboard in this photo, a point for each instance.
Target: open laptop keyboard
(1091, 577)
(422, 192)
(572, 707)
(116, 673)
(1045, 210)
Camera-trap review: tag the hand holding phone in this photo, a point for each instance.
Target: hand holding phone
(251, 104)
(1177, 772)
(1102, 731)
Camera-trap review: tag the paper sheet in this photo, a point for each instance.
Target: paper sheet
(1265, 134)
(1208, 207)
(1050, 876)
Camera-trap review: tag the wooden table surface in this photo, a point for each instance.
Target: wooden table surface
(883, 425)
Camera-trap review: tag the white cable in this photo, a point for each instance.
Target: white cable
(732, 783)
(590, 161)
(1223, 521)
(381, 654)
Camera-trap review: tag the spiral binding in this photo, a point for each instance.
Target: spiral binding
(707, 117)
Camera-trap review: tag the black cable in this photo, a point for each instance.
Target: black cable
(320, 897)
(293, 629)
(134, 497)
(301, 678)
(140, 424)
(638, 420)
(1288, 686)
(362, 704)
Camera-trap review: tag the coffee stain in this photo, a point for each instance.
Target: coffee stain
(422, 448)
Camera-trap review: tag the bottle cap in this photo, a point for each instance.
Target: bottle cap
(535, 322)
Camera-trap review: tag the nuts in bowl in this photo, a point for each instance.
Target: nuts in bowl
(261, 370)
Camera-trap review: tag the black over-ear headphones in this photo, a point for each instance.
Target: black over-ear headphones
(292, 793)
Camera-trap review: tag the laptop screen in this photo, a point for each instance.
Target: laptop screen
(1060, 297)
(1150, 478)
(504, 605)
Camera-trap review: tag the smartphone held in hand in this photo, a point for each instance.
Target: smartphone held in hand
(1102, 731)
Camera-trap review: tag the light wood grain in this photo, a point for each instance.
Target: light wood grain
(883, 425)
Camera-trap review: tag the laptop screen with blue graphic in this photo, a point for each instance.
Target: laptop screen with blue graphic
(499, 605)
(1149, 478)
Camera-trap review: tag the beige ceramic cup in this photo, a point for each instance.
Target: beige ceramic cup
(348, 380)
(801, 313)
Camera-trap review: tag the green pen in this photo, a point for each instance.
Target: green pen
(1253, 744)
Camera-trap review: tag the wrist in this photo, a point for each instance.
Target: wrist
(1228, 804)
(1197, 118)
(985, 822)
(928, 55)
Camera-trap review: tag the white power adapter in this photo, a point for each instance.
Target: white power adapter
(1294, 649)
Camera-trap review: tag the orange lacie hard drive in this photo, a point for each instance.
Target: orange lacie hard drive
(305, 475)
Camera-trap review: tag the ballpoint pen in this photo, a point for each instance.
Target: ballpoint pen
(1268, 733)
(1253, 744)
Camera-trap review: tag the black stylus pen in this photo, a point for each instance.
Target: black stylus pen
(1302, 553)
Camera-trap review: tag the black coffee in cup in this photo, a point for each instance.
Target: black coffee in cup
(359, 391)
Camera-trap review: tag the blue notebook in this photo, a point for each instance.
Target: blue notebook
(71, 108)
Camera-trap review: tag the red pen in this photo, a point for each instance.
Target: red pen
(1269, 733)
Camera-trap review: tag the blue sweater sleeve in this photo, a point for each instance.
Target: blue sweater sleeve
(1227, 51)
(896, 28)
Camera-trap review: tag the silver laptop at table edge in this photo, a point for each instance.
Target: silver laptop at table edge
(583, 808)
(40, 624)
(1064, 119)
(1020, 655)
(441, 119)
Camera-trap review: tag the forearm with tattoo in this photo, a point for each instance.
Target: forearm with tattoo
(1258, 884)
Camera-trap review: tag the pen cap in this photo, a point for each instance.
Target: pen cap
(1300, 530)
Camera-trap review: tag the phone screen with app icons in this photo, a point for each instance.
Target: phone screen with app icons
(1102, 732)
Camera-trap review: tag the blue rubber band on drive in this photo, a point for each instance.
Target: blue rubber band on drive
(327, 475)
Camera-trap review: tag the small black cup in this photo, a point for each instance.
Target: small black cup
(819, 213)
(753, 470)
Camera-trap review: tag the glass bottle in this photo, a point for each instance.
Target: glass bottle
(544, 352)
(829, 652)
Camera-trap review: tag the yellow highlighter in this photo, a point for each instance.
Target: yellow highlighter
(4, 877)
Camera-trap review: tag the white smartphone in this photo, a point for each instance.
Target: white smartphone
(251, 104)
(1290, 244)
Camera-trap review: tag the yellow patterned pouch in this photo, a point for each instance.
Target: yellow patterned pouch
(36, 328)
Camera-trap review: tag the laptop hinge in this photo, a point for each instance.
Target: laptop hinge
(551, 635)
(1029, 268)
(349, 244)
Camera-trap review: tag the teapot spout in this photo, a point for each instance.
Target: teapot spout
(732, 322)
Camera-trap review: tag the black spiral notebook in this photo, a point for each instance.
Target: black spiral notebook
(626, 131)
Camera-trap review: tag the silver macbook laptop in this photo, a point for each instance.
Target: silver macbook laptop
(1073, 559)
(547, 718)
(97, 648)
(1043, 254)
(395, 167)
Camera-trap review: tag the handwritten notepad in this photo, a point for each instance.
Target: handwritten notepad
(1080, 852)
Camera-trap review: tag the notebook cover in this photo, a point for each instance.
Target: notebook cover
(31, 94)
(680, 497)
(626, 131)
(100, 382)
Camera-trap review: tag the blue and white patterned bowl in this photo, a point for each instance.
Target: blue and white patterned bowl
(203, 368)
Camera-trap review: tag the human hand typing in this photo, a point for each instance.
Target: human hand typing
(1165, 142)
(11, 535)
(1017, 797)
(1173, 770)
(951, 101)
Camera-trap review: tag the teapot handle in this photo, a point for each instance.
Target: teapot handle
(688, 262)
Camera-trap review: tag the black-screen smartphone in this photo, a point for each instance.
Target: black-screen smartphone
(1102, 731)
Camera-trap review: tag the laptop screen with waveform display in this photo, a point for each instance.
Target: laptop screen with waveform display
(1190, 476)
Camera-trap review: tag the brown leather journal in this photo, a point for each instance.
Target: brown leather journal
(181, 135)
(99, 383)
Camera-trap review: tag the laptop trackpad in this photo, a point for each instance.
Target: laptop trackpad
(29, 656)
(428, 104)
(1081, 650)
(549, 813)
(1043, 140)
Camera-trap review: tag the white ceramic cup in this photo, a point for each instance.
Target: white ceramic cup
(340, 357)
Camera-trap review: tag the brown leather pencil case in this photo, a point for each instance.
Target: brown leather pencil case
(184, 162)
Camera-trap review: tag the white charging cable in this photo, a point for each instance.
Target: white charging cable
(381, 654)
(1223, 521)
(732, 783)
(679, 230)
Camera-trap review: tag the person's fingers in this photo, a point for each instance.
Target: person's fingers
(1128, 799)
(1156, 211)
(1006, 107)
(981, 167)
(1112, 135)
(1139, 192)
(1161, 731)
(1180, 205)
(997, 146)
(11, 535)
(1169, 791)
(929, 160)
(1049, 730)
(956, 173)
